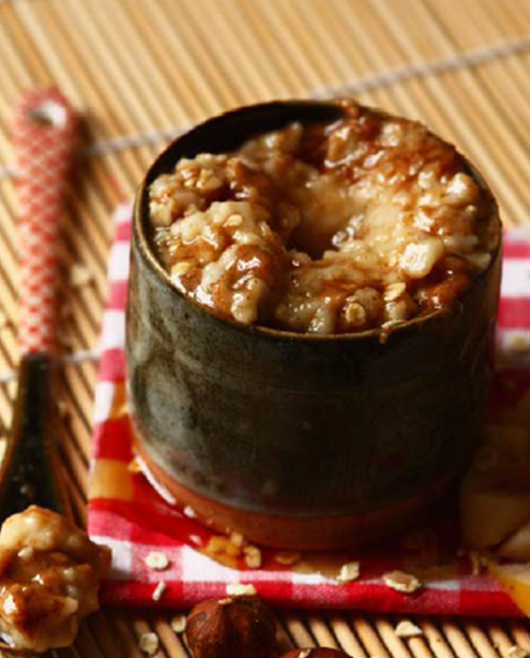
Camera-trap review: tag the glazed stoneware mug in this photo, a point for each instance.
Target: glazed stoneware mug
(297, 440)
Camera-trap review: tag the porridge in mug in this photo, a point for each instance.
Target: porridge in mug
(335, 228)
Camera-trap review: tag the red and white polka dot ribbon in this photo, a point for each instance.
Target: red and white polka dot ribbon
(43, 135)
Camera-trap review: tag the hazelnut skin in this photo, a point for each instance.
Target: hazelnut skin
(241, 626)
(315, 653)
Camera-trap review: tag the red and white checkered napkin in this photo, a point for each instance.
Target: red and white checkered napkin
(127, 513)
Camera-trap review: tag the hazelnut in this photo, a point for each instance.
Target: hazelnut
(242, 626)
(315, 653)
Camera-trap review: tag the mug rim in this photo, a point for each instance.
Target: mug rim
(142, 240)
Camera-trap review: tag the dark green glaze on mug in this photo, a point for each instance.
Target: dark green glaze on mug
(297, 425)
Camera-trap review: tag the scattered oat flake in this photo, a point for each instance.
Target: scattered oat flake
(516, 651)
(252, 557)
(349, 571)
(80, 275)
(189, 512)
(287, 558)
(149, 643)
(401, 581)
(407, 629)
(157, 560)
(241, 589)
(178, 623)
(159, 590)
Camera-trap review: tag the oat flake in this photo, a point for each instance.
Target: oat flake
(159, 591)
(149, 643)
(178, 623)
(349, 572)
(406, 629)
(157, 560)
(241, 589)
(401, 581)
(516, 651)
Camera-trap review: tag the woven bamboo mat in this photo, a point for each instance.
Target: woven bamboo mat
(141, 70)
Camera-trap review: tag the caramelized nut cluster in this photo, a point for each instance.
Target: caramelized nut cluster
(326, 228)
(49, 577)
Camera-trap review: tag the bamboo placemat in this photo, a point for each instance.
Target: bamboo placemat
(142, 70)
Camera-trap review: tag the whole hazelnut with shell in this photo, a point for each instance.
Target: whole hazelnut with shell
(315, 653)
(236, 627)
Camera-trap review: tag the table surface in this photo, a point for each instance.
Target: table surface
(140, 71)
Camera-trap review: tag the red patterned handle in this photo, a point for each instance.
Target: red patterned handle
(43, 135)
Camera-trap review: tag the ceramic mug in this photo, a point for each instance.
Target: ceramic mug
(298, 440)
